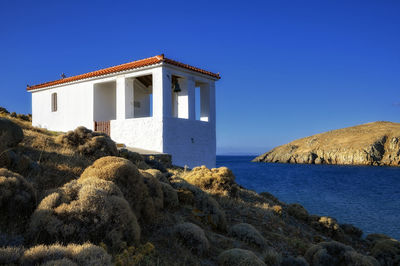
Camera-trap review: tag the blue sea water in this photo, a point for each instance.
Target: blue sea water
(365, 196)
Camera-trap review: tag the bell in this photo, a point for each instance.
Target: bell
(177, 88)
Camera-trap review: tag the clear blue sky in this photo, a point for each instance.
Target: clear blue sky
(289, 68)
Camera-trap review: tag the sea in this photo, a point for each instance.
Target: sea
(366, 196)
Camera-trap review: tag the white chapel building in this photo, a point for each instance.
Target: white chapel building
(148, 104)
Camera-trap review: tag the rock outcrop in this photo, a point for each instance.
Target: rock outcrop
(376, 143)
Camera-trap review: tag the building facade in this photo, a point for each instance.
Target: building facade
(155, 104)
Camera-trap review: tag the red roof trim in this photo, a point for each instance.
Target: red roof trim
(127, 66)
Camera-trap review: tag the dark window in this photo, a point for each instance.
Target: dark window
(54, 102)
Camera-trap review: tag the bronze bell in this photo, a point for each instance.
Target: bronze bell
(175, 85)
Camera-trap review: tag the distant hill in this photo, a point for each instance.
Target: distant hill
(376, 143)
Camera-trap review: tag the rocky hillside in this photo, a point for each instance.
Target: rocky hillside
(75, 199)
(375, 143)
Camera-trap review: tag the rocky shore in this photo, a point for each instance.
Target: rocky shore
(75, 199)
(376, 143)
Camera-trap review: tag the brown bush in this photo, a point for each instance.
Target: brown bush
(128, 178)
(271, 197)
(373, 238)
(134, 157)
(271, 257)
(208, 210)
(158, 175)
(351, 230)
(335, 253)
(171, 200)
(297, 211)
(292, 261)
(387, 251)
(89, 143)
(10, 255)
(10, 134)
(72, 254)
(85, 210)
(17, 201)
(192, 236)
(239, 257)
(18, 163)
(216, 180)
(247, 233)
(155, 190)
(328, 226)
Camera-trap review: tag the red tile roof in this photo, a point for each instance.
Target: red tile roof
(127, 66)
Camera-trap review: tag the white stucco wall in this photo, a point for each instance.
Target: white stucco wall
(190, 142)
(145, 133)
(74, 107)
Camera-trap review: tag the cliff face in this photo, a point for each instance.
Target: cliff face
(376, 143)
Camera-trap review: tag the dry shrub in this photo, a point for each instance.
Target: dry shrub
(247, 233)
(60, 262)
(18, 163)
(271, 257)
(193, 237)
(216, 180)
(128, 178)
(277, 210)
(158, 175)
(335, 253)
(10, 255)
(239, 257)
(155, 190)
(136, 255)
(207, 209)
(292, 261)
(89, 143)
(351, 230)
(134, 157)
(387, 251)
(171, 200)
(373, 238)
(328, 226)
(85, 210)
(17, 200)
(271, 197)
(297, 211)
(10, 134)
(72, 254)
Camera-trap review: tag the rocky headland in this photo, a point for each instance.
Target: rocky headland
(75, 199)
(376, 143)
